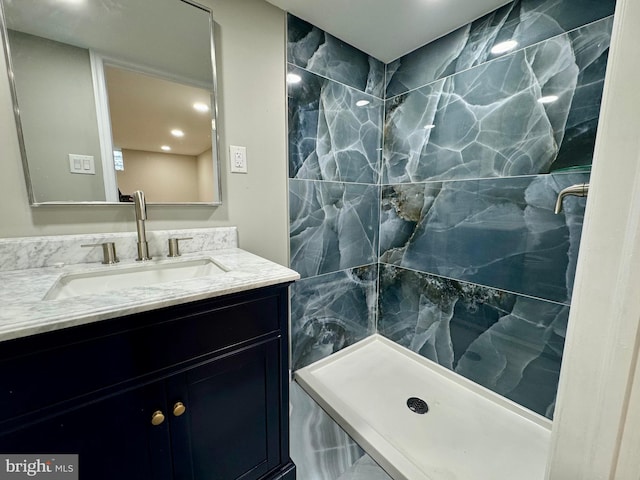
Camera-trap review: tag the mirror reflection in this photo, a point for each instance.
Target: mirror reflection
(114, 97)
(169, 157)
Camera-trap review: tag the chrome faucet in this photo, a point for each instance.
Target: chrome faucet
(578, 190)
(140, 207)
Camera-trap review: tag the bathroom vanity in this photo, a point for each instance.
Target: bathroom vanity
(192, 386)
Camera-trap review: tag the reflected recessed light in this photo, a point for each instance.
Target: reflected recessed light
(166, 148)
(362, 103)
(293, 78)
(548, 99)
(504, 47)
(201, 107)
(429, 127)
(177, 132)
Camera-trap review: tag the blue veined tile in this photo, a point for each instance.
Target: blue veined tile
(527, 22)
(489, 121)
(333, 226)
(365, 468)
(330, 312)
(505, 342)
(320, 448)
(317, 51)
(335, 132)
(590, 46)
(498, 232)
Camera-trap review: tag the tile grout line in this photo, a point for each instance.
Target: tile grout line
(424, 182)
(335, 81)
(364, 265)
(381, 166)
(479, 179)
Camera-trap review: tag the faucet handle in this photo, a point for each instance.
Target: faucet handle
(578, 190)
(174, 246)
(108, 252)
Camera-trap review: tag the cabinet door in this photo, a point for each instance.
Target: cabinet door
(230, 429)
(113, 436)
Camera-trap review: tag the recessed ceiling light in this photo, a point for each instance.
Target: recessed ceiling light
(504, 47)
(177, 132)
(548, 99)
(362, 103)
(166, 148)
(201, 107)
(429, 127)
(293, 78)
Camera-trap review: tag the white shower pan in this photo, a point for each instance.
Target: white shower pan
(468, 433)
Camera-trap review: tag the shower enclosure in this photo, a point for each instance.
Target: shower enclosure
(468, 265)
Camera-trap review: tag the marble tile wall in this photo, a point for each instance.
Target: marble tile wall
(335, 151)
(524, 21)
(365, 468)
(488, 121)
(443, 168)
(509, 343)
(316, 51)
(334, 131)
(332, 311)
(321, 449)
(333, 226)
(498, 232)
(476, 270)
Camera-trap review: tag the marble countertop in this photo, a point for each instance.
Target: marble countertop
(24, 311)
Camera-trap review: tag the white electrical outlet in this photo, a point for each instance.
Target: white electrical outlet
(238, 159)
(82, 164)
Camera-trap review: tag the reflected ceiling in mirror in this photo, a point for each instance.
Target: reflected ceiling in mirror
(144, 111)
(95, 80)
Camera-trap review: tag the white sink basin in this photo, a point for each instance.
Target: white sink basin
(124, 277)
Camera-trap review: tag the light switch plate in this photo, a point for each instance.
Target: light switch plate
(238, 159)
(82, 164)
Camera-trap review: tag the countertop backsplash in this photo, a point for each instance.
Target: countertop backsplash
(50, 251)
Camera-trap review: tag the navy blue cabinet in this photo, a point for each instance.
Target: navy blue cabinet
(108, 434)
(196, 391)
(231, 428)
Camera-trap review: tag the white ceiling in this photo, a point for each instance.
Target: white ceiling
(144, 110)
(166, 36)
(388, 29)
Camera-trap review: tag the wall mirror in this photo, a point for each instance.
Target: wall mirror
(113, 96)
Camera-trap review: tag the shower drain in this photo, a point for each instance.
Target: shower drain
(417, 405)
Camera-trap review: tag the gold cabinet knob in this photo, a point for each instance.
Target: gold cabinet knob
(179, 409)
(157, 418)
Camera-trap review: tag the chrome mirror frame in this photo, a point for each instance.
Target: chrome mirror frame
(217, 201)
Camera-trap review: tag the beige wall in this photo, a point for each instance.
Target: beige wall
(251, 70)
(163, 177)
(47, 74)
(206, 177)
